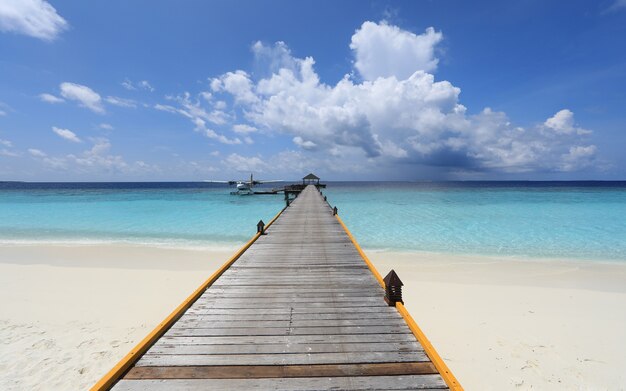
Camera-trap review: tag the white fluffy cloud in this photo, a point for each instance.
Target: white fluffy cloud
(66, 134)
(85, 96)
(563, 123)
(397, 114)
(121, 102)
(371, 116)
(304, 144)
(7, 152)
(273, 58)
(212, 134)
(140, 85)
(35, 18)
(49, 98)
(414, 119)
(199, 116)
(245, 164)
(96, 160)
(578, 157)
(238, 84)
(383, 50)
(144, 84)
(98, 156)
(244, 128)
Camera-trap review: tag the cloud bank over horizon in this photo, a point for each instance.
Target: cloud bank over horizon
(389, 109)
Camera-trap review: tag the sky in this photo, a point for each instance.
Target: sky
(351, 90)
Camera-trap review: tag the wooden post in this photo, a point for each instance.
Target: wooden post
(260, 227)
(334, 210)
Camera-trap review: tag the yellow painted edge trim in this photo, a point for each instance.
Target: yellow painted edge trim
(125, 363)
(441, 366)
(437, 361)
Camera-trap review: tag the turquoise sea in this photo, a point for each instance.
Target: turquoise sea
(584, 220)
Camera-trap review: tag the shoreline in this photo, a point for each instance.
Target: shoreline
(185, 245)
(71, 312)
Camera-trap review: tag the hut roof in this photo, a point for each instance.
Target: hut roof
(311, 176)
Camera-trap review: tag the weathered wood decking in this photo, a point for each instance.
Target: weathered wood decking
(299, 310)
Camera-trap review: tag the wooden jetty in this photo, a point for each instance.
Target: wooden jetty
(299, 307)
(292, 191)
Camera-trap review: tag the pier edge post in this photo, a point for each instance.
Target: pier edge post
(393, 289)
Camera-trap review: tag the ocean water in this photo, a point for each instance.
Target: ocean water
(585, 220)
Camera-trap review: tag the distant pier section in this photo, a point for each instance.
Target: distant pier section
(292, 191)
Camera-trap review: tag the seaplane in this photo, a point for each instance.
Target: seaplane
(245, 187)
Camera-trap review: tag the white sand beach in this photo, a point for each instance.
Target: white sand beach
(506, 324)
(69, 313)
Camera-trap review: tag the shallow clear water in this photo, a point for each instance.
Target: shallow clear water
(176, 214)
(584, 220)
(536, 219)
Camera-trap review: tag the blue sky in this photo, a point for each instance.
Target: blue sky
(416, 90)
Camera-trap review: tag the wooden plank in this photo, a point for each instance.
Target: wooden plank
(206, 323)
(285, 316)
(290, 294)
(280, 371)
(339, 383)
(294, 286)
(329, 289)
(288, 339)
(151, 360)
(301, 306)
(232, 331)
(219, 288)
(296, 301)
(313, 263)
(295, 310)
(302, 272)
(240, 280)
(163, 348)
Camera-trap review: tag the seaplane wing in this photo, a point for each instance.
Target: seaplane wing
(226, 182)
(272, 181)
